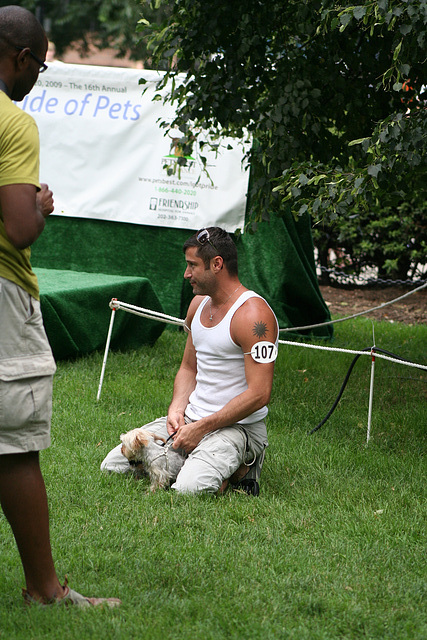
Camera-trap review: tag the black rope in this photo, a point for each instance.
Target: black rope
(346, 379)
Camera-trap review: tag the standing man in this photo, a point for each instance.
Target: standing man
(26, 362)
(224, 383)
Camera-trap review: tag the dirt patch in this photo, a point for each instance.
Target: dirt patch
(347, 301)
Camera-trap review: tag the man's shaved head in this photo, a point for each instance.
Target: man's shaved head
(19, 27)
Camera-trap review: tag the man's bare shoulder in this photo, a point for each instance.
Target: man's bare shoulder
(192, 308)
(256, 317)
(254, 306)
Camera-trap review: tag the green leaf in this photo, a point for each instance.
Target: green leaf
(405, 29)
(345, 18)
(374, 169)
(397, 51)
(358, 141)
(320, 177)
(359, 12)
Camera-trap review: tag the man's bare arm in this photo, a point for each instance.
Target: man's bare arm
(24, 212)
(185, 379)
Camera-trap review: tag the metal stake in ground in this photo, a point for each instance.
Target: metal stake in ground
(107, 347)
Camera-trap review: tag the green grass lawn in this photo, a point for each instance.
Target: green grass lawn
(334, 546)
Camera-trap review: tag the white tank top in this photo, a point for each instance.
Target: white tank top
(220, 366)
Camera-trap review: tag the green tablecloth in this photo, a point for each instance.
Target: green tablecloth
(76, 312)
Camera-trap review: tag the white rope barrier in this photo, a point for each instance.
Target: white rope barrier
(115, 305)
(145, 313)
(357, 353)
(162, 317)
(355, 315)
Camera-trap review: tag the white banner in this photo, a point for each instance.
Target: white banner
(103, 153)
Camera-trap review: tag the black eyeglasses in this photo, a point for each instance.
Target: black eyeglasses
(203, 237)
(43, 65)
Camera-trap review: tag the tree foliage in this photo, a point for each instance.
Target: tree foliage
(331, 93)
(392, 240)
(102, 23)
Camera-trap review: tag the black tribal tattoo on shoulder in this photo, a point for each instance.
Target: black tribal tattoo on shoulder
(260, 329)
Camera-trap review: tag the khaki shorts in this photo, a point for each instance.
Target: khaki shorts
(26, 373)
(217, 456)
(25, 414)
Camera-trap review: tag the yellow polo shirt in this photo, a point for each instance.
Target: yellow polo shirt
(19, 164)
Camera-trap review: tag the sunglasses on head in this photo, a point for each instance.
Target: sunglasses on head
(203, 237)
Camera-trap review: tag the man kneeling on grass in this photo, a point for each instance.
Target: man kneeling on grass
(224, 383)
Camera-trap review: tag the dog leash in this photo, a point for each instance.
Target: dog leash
(167, 440)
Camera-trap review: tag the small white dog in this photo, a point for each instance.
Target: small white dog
(153, 455)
